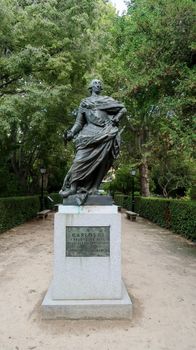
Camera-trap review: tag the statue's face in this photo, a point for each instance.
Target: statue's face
(96, 86)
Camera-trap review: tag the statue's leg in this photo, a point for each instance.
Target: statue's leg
(101, 172)
(66, 180)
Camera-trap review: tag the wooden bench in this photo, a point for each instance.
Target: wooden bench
(119, 209)
(131, 215)
(55, 208)
(43, 214)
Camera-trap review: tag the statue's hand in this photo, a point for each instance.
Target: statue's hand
(118, 116)
(68, 135)
(115, 121)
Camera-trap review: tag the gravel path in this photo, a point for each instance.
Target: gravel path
(159, 272)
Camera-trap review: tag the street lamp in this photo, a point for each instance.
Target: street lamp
(42, 171)
(133, 172)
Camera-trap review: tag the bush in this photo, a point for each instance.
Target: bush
(122, 182)
(57, 199)
(183, 214)
(154, 209)
(177, 215)
(192, 192)
(16, 210)
(122, 201)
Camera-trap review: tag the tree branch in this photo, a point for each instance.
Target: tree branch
(9, 82)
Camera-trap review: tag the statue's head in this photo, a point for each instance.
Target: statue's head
(95, 86)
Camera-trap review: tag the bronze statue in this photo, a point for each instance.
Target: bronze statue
(97, 140)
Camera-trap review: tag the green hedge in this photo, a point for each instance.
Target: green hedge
(183, 218)
(177, 215)
(124, 201)
(57, 199)
(154, 209)
(121, 200)
(192, 192)
(16, 210)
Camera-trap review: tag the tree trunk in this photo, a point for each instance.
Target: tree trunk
(144, 178)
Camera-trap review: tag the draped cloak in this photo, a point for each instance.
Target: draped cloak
(97, 142)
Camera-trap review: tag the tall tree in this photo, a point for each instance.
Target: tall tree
(153, 71)
(45, 52)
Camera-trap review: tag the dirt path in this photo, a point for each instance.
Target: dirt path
(159, 272)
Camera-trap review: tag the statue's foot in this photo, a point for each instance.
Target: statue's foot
(61, 192)
(67, 193)
(94, 191)
(82, 190)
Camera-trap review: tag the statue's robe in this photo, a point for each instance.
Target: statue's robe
(97, 142)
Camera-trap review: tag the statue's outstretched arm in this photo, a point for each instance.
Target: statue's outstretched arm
(78, 125)
(119, 115)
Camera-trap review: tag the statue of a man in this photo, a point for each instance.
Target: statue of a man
(97, 139)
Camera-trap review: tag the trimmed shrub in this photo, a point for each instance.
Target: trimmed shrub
(154, 209)
(121, 200)
(183, 218)
(175, 214)
(16, 210)
(57, 199)
(192, 192)
(124, 201)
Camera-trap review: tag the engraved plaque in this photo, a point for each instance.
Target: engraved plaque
(87, 241)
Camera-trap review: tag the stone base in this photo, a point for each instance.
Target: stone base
(87, 309)
(87, 277)
(83, 199)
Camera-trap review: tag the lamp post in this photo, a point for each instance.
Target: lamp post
(133, 172)
(42, 171)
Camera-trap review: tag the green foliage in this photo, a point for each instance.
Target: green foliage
(9, 184)
(183, 215)
(192, 192)
(16, 210)
(155, 209)
(57, 199)
(124, 201)
(173, 175)
(122, 182)
(46, 49)
(121, 200)
(153, 72)
(177, 215)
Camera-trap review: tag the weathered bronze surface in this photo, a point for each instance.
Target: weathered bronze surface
(97, 139)
(87, 241)
(90, 200)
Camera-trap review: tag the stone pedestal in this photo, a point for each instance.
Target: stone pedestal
(87, 265)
